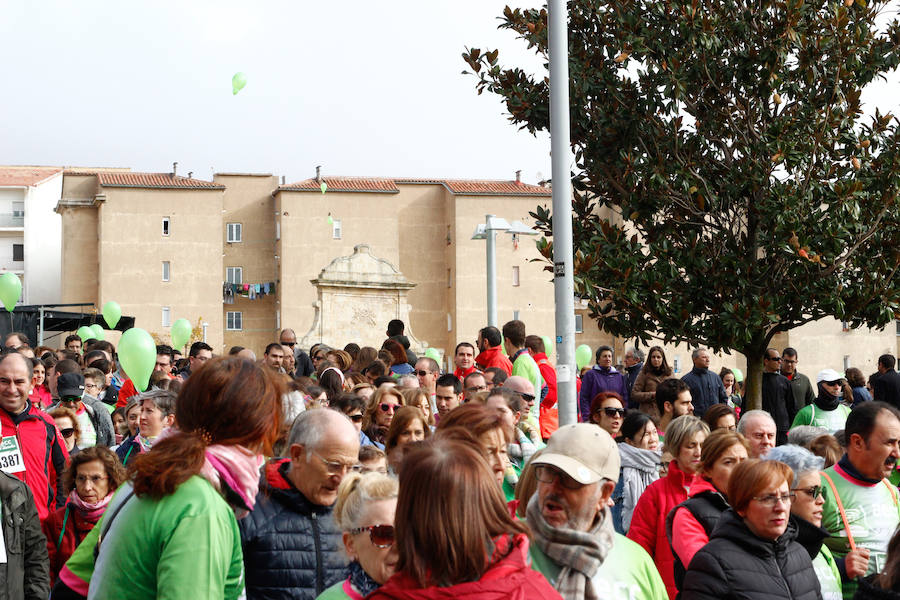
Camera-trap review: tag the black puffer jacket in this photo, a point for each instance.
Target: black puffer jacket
(738, 565)
(292, 548)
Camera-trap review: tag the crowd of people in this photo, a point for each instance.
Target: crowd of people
(357, 472)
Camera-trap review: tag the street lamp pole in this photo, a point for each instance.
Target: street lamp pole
(491, 245)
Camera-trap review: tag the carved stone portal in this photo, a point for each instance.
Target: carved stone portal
(357, 296)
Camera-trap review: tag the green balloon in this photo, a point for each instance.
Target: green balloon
(738, 374)
(181, 332)
(98, 331)
(238, 82)
(137, 355)
(583, 355)
(112, 312)
(323, 187)
(433, 354)
(548, 345)
(10, 290)
(85, 333)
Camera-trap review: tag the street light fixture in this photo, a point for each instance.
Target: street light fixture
(487, 231)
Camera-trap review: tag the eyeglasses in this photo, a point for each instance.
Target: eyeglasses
(382, 536)
(546, 474)
(476, 388)
(612, 412)
(813, 492)
(423, 373)
(67, 432)
(790, 361)
(334, 467)
(387, 407)
(775, 358)
(356, 418)
(95, 480)
(772, 499)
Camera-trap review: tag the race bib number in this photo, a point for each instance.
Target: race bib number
(11, 456)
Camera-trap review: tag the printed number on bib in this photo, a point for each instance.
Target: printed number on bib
(11, 455)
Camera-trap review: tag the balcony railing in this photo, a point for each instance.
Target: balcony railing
(12, 220)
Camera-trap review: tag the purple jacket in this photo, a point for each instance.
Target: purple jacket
(600, 379)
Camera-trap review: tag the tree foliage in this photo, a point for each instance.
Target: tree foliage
(745, 192)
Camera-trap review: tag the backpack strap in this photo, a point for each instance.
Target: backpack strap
(841, 510)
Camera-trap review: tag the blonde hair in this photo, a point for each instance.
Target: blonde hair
(384, 390)
(415, 397)
(356, 492)
(682, 430)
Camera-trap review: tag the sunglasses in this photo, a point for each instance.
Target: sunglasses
(356, 418)
(387, 407)
(612, 412)
(423, 373)
(813, 492)
(67, 432)
(291, 344)
(526, 397)
(382, 536)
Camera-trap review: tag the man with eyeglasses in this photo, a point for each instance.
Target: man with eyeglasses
(304, 366)
(575, 546)
(777, 397)
(861, 507)
(801, 387)
(472, 384)
(292, 548)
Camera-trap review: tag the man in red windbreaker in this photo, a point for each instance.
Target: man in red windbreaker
(31, 447)
(489, 341)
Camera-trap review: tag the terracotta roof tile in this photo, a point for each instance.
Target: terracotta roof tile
(25, 176)
(154, 181)
(463, 187)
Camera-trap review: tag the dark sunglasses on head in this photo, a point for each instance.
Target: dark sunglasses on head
(613, 412)
(67, 432)
(387, 407)
(382, 536)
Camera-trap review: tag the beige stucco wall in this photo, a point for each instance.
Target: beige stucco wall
(248, 201)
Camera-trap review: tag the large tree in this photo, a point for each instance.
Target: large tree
(745, 191)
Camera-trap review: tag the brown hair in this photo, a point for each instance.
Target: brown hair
(716, 412)
(664, 368)
(402, 419)
(446, 540)
(718, 443)
(414, 397)
(115, 472)
(527, 485)
(364, 358)
(340, 358)
(230, 401)
(753, 476)
(62, 411)
(398, 352)
(476, 419)
(826, 446)
(855, 377)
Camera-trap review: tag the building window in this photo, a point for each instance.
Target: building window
(234, 232)
(18, 209)
(336, 229)
(18, 252)
(165, 268)
(515, 276)
(579, 323)
(165, 230)
(166, 316)
(234, 320)
(515, 315)
(846, 362)
(234, 274)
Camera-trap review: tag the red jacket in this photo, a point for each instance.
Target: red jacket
(648, 522)
(492, 357)
(461, 375)
(43, 453)
(508, 578)
(76, 530)
(549, 411)
(125, 392)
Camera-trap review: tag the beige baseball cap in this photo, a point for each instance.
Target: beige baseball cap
(584, 452)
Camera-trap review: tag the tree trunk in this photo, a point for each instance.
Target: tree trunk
(753, 380)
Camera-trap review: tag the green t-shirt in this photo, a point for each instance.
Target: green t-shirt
(828, 574)
(832, 420)
(185, 545)
(524, 366)
(872, 513)
(336, 592)
(627, 573)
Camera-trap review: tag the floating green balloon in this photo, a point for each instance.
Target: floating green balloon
(181, 332)
(738, 374)
(323, 187)
(137, 355)
(10, 290)
(85, 333)
(433, 354)
(330, 220)
(238, 82)
(583, 356)
(97, 329)
(112, 312)
(548, 345)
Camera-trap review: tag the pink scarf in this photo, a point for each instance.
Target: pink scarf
(238, 468)
(87, 511)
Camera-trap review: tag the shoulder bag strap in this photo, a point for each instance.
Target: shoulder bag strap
(841, 510)
(892, 490)
(108, 522)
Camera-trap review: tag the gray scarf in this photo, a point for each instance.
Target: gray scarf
(579, 553)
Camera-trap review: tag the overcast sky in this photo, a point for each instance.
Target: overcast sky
(361, 88)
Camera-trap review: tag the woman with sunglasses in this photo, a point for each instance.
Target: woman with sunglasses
(640, 457)
(67, 423)
(806, 509)
(608, 411)
(753, 552)
(364, 512)
(684, 440)
(380, 412)
(462, 542)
